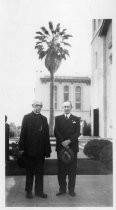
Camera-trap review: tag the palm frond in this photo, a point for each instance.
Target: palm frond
(39, 47)
(57, 27)
(65, 43)
(63, 53)
(51, 27)
(41, 38)
(42, 54)
(38, 43)
(67, 36)
(38, 32)
(45, 30)
(66, 52)
(36, 47)
(63, 32)
(45, 43)
(63, 56)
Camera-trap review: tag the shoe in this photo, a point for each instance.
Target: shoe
(60, 193)
(29, 195)
(73, 194)
(42, 195)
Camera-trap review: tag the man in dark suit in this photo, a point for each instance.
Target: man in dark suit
(67, 131)
(35, 142)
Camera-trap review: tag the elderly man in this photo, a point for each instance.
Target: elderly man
(35, 142)
(67, 131)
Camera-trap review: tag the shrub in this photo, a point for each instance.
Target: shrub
(14, 150)
(93, 148)
(106, 155)
(11, 134)
(86, 129)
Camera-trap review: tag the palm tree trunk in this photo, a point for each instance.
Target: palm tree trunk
(51, 123)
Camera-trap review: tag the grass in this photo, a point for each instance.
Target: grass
(85, 166)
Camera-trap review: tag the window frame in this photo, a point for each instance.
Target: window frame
(66, 92)
(79, 93)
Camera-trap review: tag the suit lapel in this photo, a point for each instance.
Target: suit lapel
(71, 116)
(63, 117)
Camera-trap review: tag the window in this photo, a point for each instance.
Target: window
(78, 97)
(55, 97)
(66, 93)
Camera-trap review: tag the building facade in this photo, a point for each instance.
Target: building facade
(75, 89)
(101, 46)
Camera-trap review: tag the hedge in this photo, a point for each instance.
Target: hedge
(93, 148)
(106, 155)
(14, 150)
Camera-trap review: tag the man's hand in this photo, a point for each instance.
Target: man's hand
(66, 143)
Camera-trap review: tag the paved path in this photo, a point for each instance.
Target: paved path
(92, 191)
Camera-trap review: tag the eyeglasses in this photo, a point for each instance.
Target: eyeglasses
(37, 105)
(66, 106)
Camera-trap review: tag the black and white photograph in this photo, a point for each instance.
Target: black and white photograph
(57, 107)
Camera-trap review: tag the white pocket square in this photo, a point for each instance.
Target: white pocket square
(73, 122)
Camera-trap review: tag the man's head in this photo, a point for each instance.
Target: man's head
(67, 106)
(37, 106)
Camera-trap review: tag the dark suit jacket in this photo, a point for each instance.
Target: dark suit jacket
(34, 140)
(67, 129)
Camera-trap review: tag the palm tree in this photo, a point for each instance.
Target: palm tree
(51, 45)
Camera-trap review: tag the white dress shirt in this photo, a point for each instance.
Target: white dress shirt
(68, 115)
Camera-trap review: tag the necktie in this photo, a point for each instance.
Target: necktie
(66, 117)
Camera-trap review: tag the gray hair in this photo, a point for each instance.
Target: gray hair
(68, 102)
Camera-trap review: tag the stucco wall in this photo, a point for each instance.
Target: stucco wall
(97, 82)
(42, 92)
(108, 72)
(101, 83)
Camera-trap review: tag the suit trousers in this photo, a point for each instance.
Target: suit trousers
(34, 169)
(69, 169)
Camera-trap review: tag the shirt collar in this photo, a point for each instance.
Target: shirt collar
(68, 115)
(36, 113)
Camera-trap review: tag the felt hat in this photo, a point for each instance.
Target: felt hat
(66, 155)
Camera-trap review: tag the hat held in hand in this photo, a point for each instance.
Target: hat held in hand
(66, 155)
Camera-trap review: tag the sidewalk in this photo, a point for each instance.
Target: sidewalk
(91, 191)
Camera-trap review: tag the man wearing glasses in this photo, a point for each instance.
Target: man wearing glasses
(35, 143)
